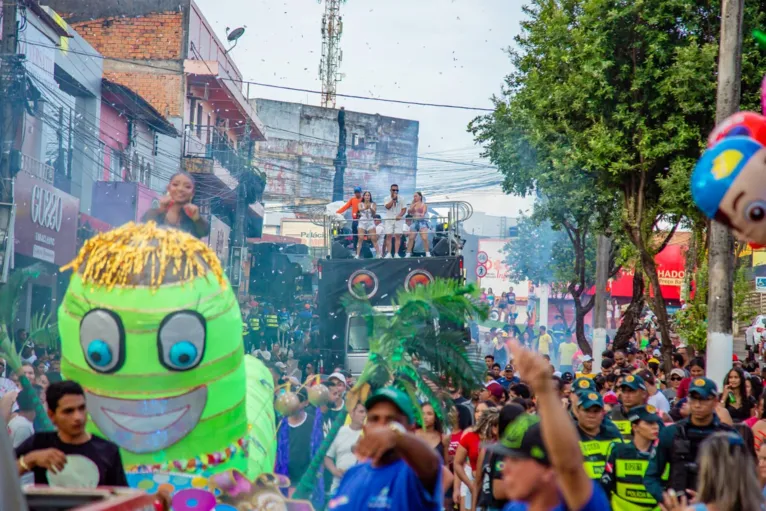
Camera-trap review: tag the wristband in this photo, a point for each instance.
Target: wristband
(24, 465)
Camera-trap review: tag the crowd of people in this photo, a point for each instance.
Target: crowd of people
(390, 229)
(547, 430)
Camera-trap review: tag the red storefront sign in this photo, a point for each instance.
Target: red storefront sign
(670, 263)
(46, 221)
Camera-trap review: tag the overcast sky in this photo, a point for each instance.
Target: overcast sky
(436, 51)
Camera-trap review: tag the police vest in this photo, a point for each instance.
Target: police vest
(255, 323)
(630, 494)
(683, 457)
(272, 321)
(594, 452)
(617, 415)
(244, 328)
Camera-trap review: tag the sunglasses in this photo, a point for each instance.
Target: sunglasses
(675, 378)
(394, 189)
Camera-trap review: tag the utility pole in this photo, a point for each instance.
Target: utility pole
(238, 249)
(603, 253)
(721, 250)
(11, 93)
(340, 158)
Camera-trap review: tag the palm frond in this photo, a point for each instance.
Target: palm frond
(42, 331)
(10, 293)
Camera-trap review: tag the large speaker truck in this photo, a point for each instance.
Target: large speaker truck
(344, 335)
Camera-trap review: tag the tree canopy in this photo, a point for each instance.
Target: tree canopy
(607, 108)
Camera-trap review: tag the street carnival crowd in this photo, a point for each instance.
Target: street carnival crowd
(537, 435)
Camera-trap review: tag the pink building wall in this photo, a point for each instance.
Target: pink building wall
(114, 135)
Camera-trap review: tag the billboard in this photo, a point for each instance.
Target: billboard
(310, 234)
(46, 221)
(492, 271)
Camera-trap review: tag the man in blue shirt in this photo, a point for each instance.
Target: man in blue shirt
(403, 472)
(508, 378)
(542, 464)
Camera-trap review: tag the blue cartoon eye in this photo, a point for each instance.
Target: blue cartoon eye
(99, 353)
(183, 354)
(102, 339)
(181, 340)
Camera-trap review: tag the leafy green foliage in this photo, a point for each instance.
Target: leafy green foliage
(691, 322)
(43, 332)
(10, 296)
(611, 102)
(422, 342)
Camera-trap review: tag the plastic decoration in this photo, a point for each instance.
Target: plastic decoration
(227, 491)
(152, 331)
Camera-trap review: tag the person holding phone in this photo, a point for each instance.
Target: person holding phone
(176, 209)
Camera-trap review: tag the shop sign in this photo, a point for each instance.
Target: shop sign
(46, 221)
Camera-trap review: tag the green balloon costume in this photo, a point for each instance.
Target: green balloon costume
(151, 329)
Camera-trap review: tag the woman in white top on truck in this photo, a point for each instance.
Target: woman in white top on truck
(367, 211)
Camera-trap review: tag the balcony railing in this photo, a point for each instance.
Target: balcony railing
(211, 142)
(37, 168)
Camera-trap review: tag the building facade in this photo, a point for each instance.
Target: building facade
(299, 154)
(167, 52)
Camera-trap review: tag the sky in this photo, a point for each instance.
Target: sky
(436, 51)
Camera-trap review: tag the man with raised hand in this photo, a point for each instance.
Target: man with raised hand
(543, 466)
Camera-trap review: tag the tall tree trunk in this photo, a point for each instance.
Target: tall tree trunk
(632, 313)
(659, 307)
(580, 312)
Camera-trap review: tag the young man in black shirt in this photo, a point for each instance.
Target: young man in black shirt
(70, 457)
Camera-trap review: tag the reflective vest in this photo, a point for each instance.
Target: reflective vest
(618, 417)
(272, 321)
(594, 452)
(628, 470)
(255, 323)
(245, 330)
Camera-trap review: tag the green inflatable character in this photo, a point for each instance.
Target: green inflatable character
(151, 329)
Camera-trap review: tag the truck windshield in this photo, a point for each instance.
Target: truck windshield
(359, 334)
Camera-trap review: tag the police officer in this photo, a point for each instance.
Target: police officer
(626, 463)
(596, 432)
(255, 324)
(271, 326)
(679, 442)
(632, 393)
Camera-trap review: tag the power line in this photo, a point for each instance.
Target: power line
(272, 86)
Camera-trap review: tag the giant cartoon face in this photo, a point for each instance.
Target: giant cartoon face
(152, 331)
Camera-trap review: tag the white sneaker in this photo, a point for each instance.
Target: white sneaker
(428, 254)
(356, 256)
(408, 254)
(387, 256)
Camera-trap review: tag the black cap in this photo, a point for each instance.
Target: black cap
(522, 439)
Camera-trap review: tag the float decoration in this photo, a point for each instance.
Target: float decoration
(727, 183)
(152, 331)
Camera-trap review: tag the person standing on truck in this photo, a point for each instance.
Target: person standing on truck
(418, 210)
(353, 203)
(395, 211)
(367, 211)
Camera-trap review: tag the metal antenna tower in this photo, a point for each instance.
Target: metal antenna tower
(332, 55)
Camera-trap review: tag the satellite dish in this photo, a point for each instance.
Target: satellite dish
(235, 34)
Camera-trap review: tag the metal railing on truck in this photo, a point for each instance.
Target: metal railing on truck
(447, 227)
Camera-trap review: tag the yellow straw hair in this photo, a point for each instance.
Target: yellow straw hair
(144, 254)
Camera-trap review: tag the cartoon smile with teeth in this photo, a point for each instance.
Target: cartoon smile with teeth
(152, 331)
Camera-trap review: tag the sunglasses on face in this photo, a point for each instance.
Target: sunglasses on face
(394, 189)
(675, 378)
